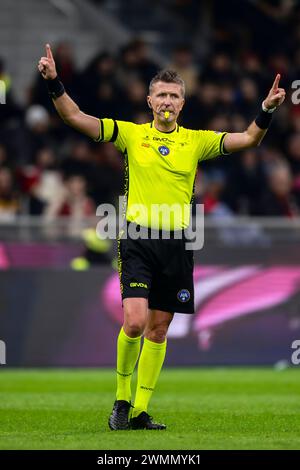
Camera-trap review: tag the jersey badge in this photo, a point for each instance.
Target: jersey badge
(164, 150)
(184, 295)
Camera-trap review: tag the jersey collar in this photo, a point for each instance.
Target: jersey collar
(162, 132)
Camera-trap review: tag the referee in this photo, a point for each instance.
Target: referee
(156, 275)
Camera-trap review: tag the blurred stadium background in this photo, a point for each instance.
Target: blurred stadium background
(59, 296)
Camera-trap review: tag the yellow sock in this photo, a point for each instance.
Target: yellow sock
(150, 364)
(128, 350)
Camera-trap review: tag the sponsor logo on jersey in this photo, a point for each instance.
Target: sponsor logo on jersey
(163, 139)
(184, 295)
(164, 150)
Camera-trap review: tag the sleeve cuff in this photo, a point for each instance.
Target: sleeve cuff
(223, 150)
(100, 137)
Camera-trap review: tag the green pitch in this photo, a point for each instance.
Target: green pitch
(203, 409)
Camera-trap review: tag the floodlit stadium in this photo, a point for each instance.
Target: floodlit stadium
(149, 169)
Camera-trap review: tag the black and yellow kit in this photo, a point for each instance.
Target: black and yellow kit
(160, 174)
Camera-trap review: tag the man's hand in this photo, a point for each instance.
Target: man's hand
(47, 65)
(233, 142)
(276, 95)
(65, 106)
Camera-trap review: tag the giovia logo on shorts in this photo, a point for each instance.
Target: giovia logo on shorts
(184, 295)
(164, 150)
(139, 284)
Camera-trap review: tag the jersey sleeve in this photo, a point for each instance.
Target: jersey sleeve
(210, 144)
(117, 132)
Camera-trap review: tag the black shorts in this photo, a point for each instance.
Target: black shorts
(158, 270)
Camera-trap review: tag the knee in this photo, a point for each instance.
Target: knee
(134, 324)
(157, 334)
(133, 328)
(135, 317)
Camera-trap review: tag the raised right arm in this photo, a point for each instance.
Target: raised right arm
(65, 106)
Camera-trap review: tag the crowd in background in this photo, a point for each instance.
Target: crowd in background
(48, 169)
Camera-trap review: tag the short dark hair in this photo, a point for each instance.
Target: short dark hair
(167, 76)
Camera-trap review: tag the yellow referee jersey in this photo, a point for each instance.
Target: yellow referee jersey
(160, 169)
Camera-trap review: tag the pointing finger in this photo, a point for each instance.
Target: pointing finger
(276, 82)
(49, 52)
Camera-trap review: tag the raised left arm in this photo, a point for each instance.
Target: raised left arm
(253, 135)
